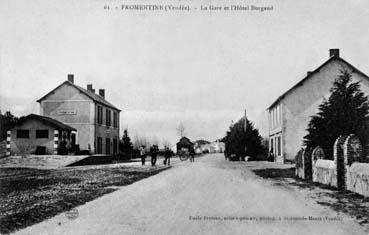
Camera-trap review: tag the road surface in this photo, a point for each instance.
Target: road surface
(210, 196)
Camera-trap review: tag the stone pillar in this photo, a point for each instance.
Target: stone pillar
(352, 150)
(298, 163)
(56, 141)
(8, 139)
(307, 164)
(340, 161)
(338, 148)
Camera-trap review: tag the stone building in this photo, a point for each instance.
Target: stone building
(35, 134)
(95, 119)
(290, 113)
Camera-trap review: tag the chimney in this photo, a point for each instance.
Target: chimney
(71, 78)
(93, 90)
(334, 52)
(89, 87)
(102, 93)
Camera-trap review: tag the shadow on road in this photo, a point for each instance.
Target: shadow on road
(347, 202)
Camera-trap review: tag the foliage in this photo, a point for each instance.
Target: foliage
(7, 121)
(343, 113)
(125, 144)
(243, 141)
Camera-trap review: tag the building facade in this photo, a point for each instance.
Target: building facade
(95, 119)
(290, 114)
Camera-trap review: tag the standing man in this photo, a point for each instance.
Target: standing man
(167, 156)
(142, 154)
(192, 155)
(154, 153)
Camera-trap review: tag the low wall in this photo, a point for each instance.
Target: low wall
(325, 172)
(357, 178)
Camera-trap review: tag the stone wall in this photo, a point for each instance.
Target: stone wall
(346, 172)
(358, 178)
(324, 172)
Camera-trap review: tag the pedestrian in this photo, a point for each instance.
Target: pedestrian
(167, 156)
(192, 155)
(142, 154)
(153, 151)
(271, 155)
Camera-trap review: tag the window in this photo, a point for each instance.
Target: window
(279, 146)
(99, 115)
(108, 117)
(115, 120)
(23, 134)
(42, 134)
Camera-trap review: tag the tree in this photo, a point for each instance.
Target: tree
(181, 130)
(343, 113)
(126, 144)
(7, 121)
(243, 141)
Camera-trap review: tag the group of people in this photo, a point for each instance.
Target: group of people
(154, 154)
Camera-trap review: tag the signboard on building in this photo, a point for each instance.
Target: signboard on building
(67, 112)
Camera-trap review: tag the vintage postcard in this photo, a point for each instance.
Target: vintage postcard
(184, 117)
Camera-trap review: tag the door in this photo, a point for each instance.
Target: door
(99, 145)
(107, 145)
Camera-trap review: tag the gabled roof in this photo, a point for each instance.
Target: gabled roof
(185, 140)
(91, 95)
(316, 71)
(47, 120)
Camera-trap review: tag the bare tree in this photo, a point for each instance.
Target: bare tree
(181, 130)
(139, 141)
(155, 141)
(166, 143)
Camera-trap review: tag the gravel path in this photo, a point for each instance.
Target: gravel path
(210, 196)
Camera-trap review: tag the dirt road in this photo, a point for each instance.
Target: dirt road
(210, 196)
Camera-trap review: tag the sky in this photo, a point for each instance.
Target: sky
(163, 68)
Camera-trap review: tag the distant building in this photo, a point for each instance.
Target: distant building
(184, 143)
(201, 146)
(207, 147)
(217, 147)
(290, 114)
(38, 133)
(95, 119)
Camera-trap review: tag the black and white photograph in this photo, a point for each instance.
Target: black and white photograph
(176, 117)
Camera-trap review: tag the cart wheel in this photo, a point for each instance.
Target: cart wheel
(183, 156)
